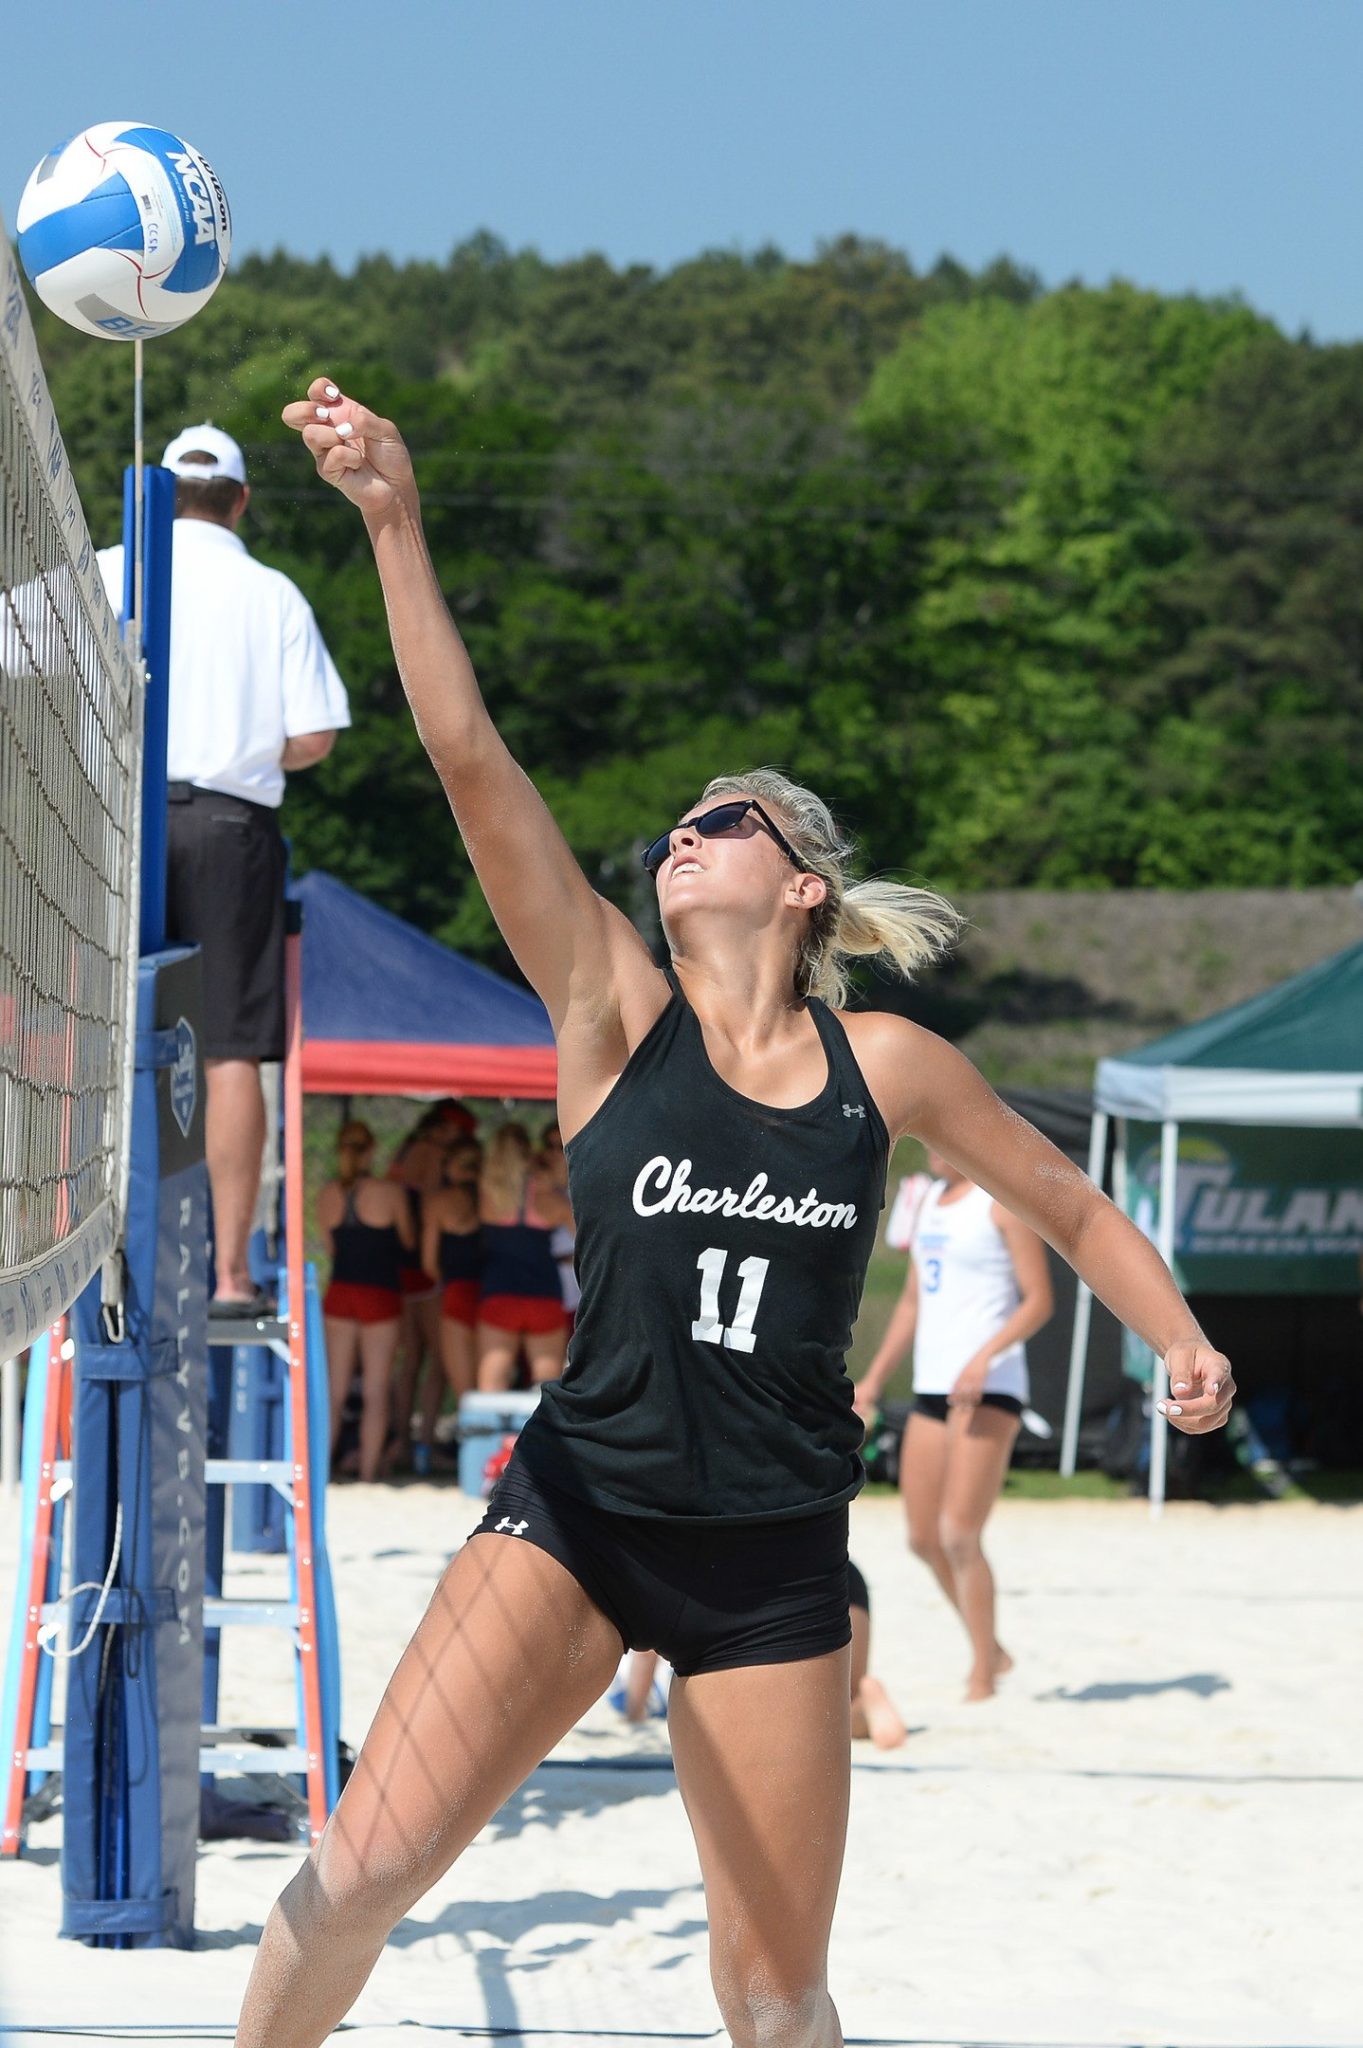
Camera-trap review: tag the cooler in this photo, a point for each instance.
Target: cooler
(488, 1426)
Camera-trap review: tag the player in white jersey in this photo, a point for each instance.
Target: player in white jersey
(977, 1287)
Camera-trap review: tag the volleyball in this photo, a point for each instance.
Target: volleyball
(124, 231)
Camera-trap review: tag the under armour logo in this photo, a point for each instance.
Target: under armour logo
(854, 1109)
(516, 1528)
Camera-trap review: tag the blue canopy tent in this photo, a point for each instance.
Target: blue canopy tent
(1289, 1059)
(388, 1011)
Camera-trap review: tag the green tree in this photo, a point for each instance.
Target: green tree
(1023, 431)
(1260, 696)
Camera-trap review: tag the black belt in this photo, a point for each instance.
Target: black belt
(190, 792)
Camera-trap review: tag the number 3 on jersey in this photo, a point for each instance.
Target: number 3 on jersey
(709, 1327)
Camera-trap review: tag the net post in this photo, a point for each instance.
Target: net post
(135, 613)
(305, 1557)
(146, 588)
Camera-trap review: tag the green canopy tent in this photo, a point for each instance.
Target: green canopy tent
(1290, 1059)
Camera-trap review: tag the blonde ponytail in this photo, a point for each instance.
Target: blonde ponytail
(906, 927)
(505, 1169)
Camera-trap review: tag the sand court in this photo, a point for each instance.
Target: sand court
(1150, 1836)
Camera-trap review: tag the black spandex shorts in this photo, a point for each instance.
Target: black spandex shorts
(934, 1406)
(709, 1596)
(225, 894)
(858, 1594)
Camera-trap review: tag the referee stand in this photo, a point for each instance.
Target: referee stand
(297, 1475)
(114, 1448)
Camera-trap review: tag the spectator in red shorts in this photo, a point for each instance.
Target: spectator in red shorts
(418, 1165)
(521, 1301)
(367, 1226)
(452, 1246)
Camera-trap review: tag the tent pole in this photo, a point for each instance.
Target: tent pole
(1083, 1311)
(1168, 1201)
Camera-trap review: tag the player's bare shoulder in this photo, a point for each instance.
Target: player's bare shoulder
(906, 1065)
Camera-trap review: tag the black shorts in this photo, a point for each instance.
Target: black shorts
(709, 1596)
(225, 893)
(935, 1406)
(858, 1593)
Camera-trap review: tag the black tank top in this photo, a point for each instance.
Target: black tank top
(461, 1254)
(517, 1259)
(365, 1254)
(722, 1247)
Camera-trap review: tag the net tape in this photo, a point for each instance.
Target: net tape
(70, 711)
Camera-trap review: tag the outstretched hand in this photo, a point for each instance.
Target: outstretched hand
(865, 1406)
(365, 457)
(1201, 1388)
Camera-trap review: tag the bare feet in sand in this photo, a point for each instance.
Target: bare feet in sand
(883, 1724)
(981, 1684)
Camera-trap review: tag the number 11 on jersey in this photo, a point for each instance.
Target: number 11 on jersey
(709, 1326)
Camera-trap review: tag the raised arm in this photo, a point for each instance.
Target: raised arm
(582, 956)
(402, 1217)
(927, 1088)
(432, 1223)
(1036, 1306)
(329, 1207)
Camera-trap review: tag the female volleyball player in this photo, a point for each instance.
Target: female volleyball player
(978, 1286)
(418, 1165)
(521, 1301)
(875, 1717)
(684, 1486)
(452, 1246)
(367, 1228)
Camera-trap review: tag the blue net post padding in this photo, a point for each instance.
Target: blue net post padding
(131, 1750)
(158, 516)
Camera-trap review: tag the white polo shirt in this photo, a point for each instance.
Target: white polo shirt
(248, 666)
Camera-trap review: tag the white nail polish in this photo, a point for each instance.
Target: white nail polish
(322, 413)
(1173, 1409)
(345, 428)
(332, 392)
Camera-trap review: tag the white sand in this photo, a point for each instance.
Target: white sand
(1153, 1835)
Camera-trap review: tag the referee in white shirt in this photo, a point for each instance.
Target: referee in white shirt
(254, 696)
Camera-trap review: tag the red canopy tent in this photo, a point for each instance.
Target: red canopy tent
(388, 1011)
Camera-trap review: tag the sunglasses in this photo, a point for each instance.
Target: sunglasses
(713, 824)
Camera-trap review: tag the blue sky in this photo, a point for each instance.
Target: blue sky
(1206, 145)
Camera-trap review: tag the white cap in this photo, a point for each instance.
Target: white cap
(226, 458)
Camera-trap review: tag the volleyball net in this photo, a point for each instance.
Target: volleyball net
(70, 725)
